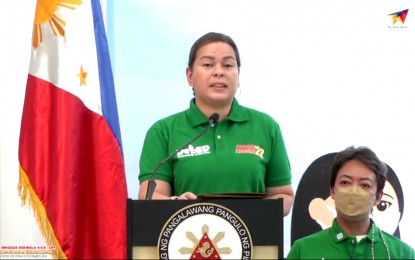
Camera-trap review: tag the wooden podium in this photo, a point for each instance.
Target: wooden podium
(149, 221)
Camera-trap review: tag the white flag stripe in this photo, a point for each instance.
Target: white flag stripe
(68, 53)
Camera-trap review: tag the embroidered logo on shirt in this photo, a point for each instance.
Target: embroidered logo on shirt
(194, 151)
(250, 149)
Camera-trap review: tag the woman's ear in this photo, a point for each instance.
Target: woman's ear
(189, 76)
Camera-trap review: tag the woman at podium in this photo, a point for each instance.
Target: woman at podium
(216, 146)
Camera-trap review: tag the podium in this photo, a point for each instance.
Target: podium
(249, 228)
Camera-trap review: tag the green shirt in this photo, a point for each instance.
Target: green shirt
(334, 243)
(243, 153)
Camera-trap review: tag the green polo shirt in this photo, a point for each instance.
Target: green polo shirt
(243, 153)
(334, 243)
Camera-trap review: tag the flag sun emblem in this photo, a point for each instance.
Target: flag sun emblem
(46, 12)
(205, 231)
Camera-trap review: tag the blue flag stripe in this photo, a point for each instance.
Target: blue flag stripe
(108, 97)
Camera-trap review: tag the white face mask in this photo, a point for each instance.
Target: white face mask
(354, 202)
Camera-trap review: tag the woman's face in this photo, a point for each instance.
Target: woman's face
(214, 75)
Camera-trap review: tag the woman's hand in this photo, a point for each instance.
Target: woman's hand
(163, 192)
(185, 196)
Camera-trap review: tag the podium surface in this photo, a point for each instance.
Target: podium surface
(153, 227)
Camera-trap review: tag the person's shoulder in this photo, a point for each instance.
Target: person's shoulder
(169, 120)
(312, 246)
(254, 111)
(256, 114)
(318, 237)
(391, 239)
(172, 117)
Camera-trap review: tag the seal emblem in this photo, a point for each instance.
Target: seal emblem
(205, 231)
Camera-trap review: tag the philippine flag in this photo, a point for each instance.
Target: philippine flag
(71, 164)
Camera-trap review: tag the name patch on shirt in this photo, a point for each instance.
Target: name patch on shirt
(194, 151)
(250, 149)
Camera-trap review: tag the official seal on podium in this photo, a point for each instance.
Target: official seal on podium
(205, 231)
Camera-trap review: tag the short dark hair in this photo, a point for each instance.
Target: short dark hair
(364, 155)
(212, 37)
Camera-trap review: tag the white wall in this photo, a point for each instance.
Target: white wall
(17, 225)
(332, 73)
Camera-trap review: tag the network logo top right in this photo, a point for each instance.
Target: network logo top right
(397, 19)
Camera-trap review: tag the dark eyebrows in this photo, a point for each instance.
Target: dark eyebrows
(362, 179)
(367, 179)
(229, 58)
(207, 57)
(212, 58)
(345, 176)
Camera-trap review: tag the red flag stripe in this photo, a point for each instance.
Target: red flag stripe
(75, 166)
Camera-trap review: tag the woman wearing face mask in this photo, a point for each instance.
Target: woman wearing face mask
(356, 185)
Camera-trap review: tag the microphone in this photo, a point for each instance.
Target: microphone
(151, 187)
